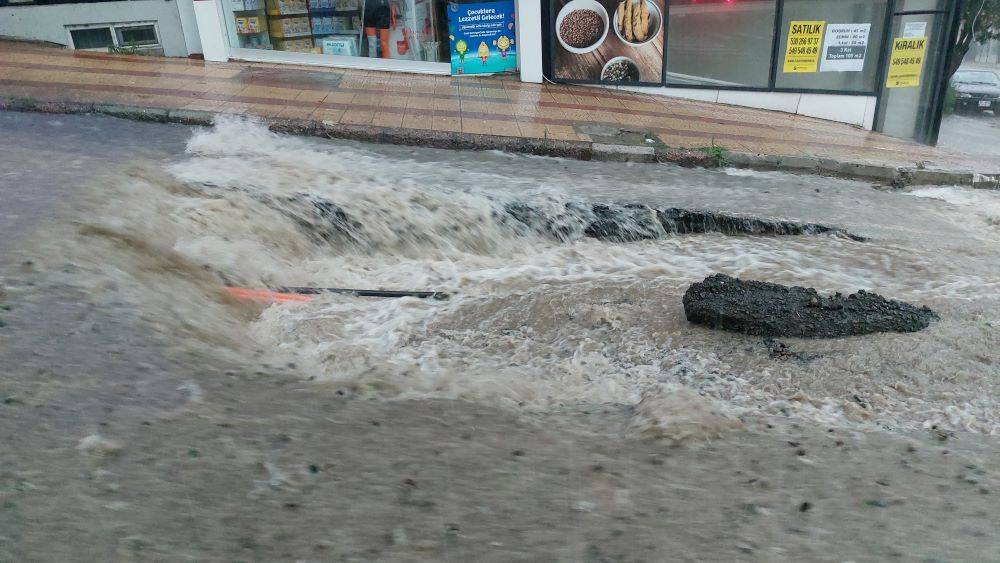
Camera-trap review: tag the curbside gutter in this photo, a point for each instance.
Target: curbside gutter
(580, 150)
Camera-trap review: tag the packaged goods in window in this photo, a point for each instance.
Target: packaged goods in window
(257, 42)
(300, 45)
(290, 27)
(247, 5)
(341, 24)
(341, 45)
(319, 24)
(285, 7)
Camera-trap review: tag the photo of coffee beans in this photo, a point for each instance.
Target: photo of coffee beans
(581, 28)
(621, 71)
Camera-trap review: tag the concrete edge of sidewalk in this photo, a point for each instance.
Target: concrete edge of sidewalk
(582, 150)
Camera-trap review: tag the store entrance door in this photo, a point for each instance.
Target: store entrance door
(912, 89)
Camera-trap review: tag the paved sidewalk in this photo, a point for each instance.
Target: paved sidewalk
(445, 111)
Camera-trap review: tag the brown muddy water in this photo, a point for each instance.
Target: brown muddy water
(557, 407)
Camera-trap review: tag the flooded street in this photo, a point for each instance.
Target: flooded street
(971, 134)
(557, 407)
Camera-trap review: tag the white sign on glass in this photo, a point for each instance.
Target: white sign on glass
(845, 47)
(914, 29)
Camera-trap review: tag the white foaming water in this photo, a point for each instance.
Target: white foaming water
(984, 203)
(536, 323)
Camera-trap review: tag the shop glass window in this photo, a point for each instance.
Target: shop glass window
(137, 35)
(848, 50)
(921, 5)
(720, 42)
(92, 38)
(415, 30)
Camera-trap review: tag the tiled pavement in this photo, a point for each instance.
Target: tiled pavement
(488, 105)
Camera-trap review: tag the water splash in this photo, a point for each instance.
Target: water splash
(544, 316)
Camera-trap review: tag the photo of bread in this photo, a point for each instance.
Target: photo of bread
(626, 21)
(638, 21)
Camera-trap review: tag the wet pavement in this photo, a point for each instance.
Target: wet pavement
(971, 134)
(145, 417)
(433, 106)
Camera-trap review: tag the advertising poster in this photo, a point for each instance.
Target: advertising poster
(608, 41)
(802, 50)
(481, 37)
(906, 62)
(845, 47)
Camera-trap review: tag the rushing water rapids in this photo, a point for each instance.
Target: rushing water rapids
(539, 322)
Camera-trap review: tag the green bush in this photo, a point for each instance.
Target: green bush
(718, 154)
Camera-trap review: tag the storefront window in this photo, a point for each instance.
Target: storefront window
(414, 30)
(921, 5)
(720, 42)
(834, 44)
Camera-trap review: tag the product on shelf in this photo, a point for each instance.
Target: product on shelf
(290, 27)
(248, 24)
(247, 5)
(346, 45)
(300, 45)
(286, 7)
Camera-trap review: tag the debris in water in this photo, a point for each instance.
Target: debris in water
(768, 309)
(299, 294)
(778, 350)
(96, 444)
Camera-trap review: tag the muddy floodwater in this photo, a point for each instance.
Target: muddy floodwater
(556, 407)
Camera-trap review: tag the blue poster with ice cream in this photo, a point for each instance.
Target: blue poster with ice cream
(481, 37)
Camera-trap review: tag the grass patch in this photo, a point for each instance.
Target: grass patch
(718, 154)
(128, 51)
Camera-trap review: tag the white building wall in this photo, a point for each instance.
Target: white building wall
(189, 26)
(48, 23)
(855, 110)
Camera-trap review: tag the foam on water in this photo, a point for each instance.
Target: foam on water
(536, 323)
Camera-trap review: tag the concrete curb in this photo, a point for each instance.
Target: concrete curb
(580, 150)
(896, 176)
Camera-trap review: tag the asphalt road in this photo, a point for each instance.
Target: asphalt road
(119, 446)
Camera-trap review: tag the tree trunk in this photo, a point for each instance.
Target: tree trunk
(958, 55)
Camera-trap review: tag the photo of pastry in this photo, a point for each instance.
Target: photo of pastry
(608, 41)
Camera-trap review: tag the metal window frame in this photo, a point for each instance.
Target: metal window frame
(953, 12)
(71, 28)
(113, 27)
(771, 86)
(118, 35)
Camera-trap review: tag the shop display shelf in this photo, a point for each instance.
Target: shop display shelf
(277, 14)
(248, 5)
(337, 32)
(292, 36)
(333, 11)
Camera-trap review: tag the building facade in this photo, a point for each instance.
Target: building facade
(876, 64)
(152, 26)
